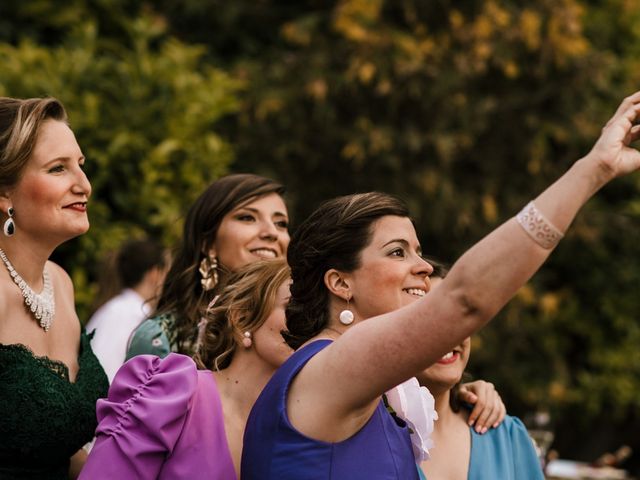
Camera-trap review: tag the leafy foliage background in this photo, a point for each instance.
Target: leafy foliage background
(466, 109)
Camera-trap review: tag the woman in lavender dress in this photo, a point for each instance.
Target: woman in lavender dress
(167, 419)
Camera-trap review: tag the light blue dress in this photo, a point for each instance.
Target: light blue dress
(504, 453)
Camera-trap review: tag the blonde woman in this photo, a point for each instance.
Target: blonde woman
(50, 378)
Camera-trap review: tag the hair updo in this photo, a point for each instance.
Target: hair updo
(332, 237)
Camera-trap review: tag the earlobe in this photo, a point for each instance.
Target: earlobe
(5, 202)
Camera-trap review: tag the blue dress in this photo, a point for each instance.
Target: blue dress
(504, 453)
(274, 449)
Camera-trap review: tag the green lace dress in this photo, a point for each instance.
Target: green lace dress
(45, 418)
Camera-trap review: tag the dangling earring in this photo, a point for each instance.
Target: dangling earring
(246, 341)
(209, 272)
(9, 227)
(346, 315)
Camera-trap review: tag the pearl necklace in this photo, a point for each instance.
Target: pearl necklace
(42, 305)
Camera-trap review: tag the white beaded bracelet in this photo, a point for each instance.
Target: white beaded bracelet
(543, 232)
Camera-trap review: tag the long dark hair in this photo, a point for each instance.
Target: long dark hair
(332, 237)
(182, 295)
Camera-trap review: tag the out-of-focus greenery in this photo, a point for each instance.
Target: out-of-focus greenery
(466, 109)
(145, 108)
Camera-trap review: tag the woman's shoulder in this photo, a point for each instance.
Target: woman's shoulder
(152, 337)
(59, 277)
(149, 391)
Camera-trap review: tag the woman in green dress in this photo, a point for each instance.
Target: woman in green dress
(49, 378)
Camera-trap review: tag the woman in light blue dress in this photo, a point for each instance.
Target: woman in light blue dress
(505, 452)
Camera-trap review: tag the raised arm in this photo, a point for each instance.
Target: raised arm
(375, 355)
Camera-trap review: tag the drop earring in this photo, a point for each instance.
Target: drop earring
(346, 315)
(246, 340)
(9, 227)
(208, 272)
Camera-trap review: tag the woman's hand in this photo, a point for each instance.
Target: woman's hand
(612, 151)
(488, 408)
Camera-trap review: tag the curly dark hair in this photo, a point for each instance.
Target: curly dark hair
(332, 237)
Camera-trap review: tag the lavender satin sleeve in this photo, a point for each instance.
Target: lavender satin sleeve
(142, 419)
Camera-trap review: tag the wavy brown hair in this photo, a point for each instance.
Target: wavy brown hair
(244, 303)
(333, 236)
(182, 295)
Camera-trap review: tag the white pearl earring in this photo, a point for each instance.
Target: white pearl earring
(246, 341)
(346, 315)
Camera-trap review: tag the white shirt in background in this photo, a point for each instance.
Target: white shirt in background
(113, 323)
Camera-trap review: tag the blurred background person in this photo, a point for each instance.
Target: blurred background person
(49, 377)
(131, 282)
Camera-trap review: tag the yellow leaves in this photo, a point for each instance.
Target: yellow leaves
(268, 106)
(557, 391)
(510, 69)
(526, 294)
(530, 25)
(565, 32)
(549, 303)
(355, 19)
(456, 19)
(317, 89)
(295, 33)
(353, 151)
(489, 208)
(366, 72)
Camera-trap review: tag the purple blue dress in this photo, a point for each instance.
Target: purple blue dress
(162, 420)
(274, 449)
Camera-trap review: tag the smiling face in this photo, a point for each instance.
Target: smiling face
(253, 231)
(447, 372)
(50, 199)
(268, 342)
(392, 272)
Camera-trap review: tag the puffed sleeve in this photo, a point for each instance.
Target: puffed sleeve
(142, 417)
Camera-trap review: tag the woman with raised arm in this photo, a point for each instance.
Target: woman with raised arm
(49, 377)
(357, 257)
